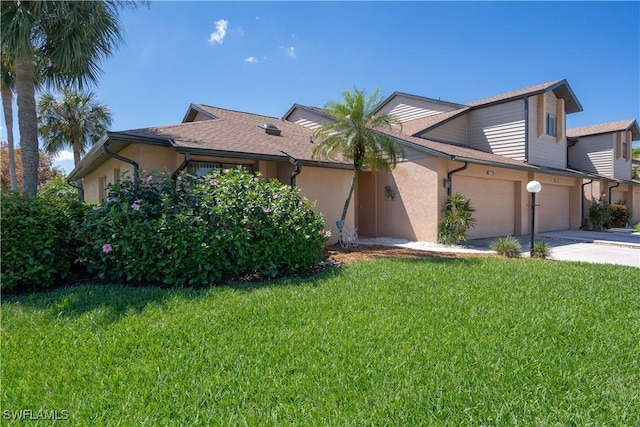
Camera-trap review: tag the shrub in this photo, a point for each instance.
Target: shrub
(618, 215)
(507, 246)
(201, 230)
(37, 245)
(541, 250)
(599, 214)
(637, 227)
(458, 219)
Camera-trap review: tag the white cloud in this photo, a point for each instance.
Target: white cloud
(63, 155)
(251, 60)
(290, 52)
(220, 33)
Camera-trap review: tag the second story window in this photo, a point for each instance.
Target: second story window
(551, 125)
(624, 150)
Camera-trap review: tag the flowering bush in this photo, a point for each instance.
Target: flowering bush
(201, 230)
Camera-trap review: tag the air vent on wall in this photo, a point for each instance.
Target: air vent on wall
(270, 129)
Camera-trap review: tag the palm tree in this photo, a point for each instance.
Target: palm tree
(77, 120)
(6, 88)
(66, 39)
(356, 136)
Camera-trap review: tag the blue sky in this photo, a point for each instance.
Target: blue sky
(263, 57)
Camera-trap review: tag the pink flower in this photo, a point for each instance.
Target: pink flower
(136, 205)
(213, 183)
(265, 210)
(147, 179)
(328, 233)
(106, 248)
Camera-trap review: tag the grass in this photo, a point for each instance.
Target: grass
(391, 342)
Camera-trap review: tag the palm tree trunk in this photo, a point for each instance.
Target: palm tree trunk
(76, 159)
(27, 122)
(353, 186)
(7, 107)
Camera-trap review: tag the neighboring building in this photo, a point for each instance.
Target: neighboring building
(487, 150)
(605, 150)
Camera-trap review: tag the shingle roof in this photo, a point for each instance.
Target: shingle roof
(622, 125)
(514, 94)
(236, 132)
(560, 87)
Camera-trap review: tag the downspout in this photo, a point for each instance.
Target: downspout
(526, 129)
(80, 190)
(447, 181)
(584, 220)
(296, 172)
(182, 166)
(611, 188)
(136, 178)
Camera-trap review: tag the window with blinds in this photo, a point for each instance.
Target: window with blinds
(203, 168)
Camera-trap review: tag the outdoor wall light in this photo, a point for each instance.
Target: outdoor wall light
(533, 187)
(389, 192)
(489, 172)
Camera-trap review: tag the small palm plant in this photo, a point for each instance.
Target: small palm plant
(458, 219)
(357, 134)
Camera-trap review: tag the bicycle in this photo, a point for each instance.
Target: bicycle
(347, 237)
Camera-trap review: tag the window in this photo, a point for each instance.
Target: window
(203, 168)
(624, 150)
(116, 175)
(551, 125)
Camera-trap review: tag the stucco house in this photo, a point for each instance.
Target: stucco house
(487, 150)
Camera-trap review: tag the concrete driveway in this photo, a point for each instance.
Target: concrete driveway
(616, 246)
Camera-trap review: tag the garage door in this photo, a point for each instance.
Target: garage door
(494, 202)
(553, 210)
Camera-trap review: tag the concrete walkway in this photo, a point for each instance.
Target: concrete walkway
(617, 246)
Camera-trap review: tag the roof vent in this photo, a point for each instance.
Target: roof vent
(270, 129)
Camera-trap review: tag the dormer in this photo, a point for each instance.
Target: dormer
(196, 113)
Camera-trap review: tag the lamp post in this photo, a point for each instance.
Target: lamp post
(533, 187)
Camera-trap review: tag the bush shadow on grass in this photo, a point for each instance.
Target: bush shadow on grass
(115, 301)
(112, 301)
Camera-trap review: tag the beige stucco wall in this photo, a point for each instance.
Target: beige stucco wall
(402, 203)
(149, 158)
(635, 204)
(328, 188)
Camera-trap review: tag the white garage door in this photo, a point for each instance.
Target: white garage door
(494, 202)
(553, 210)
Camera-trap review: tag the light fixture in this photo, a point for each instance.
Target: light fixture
(489, 172)
(533, 187)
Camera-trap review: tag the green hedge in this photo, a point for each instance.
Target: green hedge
(38, 248)
(199, 231)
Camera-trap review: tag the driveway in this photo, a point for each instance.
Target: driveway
(617, 246)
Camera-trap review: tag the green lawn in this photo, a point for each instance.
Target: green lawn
(392, 342)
